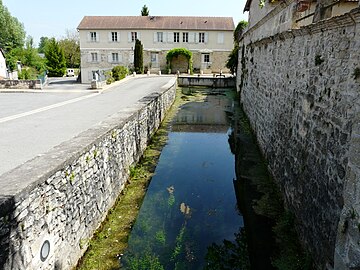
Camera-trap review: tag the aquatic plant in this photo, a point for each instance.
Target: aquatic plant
(147, 262)
(229, 255)
(160, 237)
(178, 243)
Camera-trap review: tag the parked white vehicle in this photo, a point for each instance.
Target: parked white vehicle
(70, 72)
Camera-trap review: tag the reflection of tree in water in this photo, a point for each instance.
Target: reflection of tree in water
(229, 255)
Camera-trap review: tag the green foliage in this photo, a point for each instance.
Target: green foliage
(233, 61)
(138, 57)
(27, 74)
(42, 44)
(239, 31)
(148, 262)
(229, 255)
(12, 34)
(71, 47)
(144, 11)
(160, 237)
(179, 243)
(119, 72)
(179, 51)
(55, 59)
(28, 56)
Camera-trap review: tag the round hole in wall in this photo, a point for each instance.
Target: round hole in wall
(45, 250)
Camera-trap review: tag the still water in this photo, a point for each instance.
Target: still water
(190, 203)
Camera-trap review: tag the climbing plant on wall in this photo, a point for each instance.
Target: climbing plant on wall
(179, 51)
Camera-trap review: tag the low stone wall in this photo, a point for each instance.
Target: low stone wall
(20, 84)
(214, 82)
(60, 198)
(300, 90)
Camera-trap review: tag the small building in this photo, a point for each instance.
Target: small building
(3, 69)
(107, 41)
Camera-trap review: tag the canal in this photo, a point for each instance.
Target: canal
(198, 211)
(190, 203)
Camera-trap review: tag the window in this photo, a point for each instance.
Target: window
(201, 37)
(176, 37)
(114, 36)
(186, 37)
(93, 36)
(221, 38)
(134, 36)
(94, 57)
(160, 37)
(115, 57)
(206, 58)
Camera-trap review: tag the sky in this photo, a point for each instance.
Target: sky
(51, 18)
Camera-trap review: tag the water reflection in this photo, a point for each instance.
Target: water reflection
(190, 206)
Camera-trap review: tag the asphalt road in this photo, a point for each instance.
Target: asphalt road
(33, 123)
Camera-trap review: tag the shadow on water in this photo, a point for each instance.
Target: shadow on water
(191, 218)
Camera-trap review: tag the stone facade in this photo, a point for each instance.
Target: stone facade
(20, 84)
(62, 197)
(301, 92)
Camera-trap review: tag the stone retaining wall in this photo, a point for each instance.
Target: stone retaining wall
(215, 82)
(60, 198)
(20, 84)
(301, 92)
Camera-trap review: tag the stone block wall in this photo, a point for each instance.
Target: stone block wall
(301, 92)
(20, 84)
(60, 198)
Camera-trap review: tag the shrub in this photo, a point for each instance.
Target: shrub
(119, 72)
(27, 74)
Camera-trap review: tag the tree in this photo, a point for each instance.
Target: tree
(12, 34)
(239, 31)
(232, 61)
(138, 57)
(28, 56)
(144, 11)
(71, 47)
(55, 60)
(42, 44)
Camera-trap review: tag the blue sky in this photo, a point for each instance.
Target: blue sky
(52, 18)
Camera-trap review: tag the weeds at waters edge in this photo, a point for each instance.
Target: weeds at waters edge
(110, 240)
(289, 254)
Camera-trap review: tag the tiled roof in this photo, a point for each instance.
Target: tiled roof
(156, 22)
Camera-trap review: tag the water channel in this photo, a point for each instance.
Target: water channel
(199, 208)
(190, 218)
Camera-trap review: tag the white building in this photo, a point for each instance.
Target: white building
(3, 70)
(107, 41)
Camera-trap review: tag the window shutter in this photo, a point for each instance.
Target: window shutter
(155, 37)
(196, 37)
(97, 37)
(191, 37)
(220, 38)
(110, 57)
(138, 36)
(88, 37)
(206, 37)
(129, 37)
(120, 57)
(110, 36)
(164, 36)
(89, 57)
(118, 36)
(170, 37)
